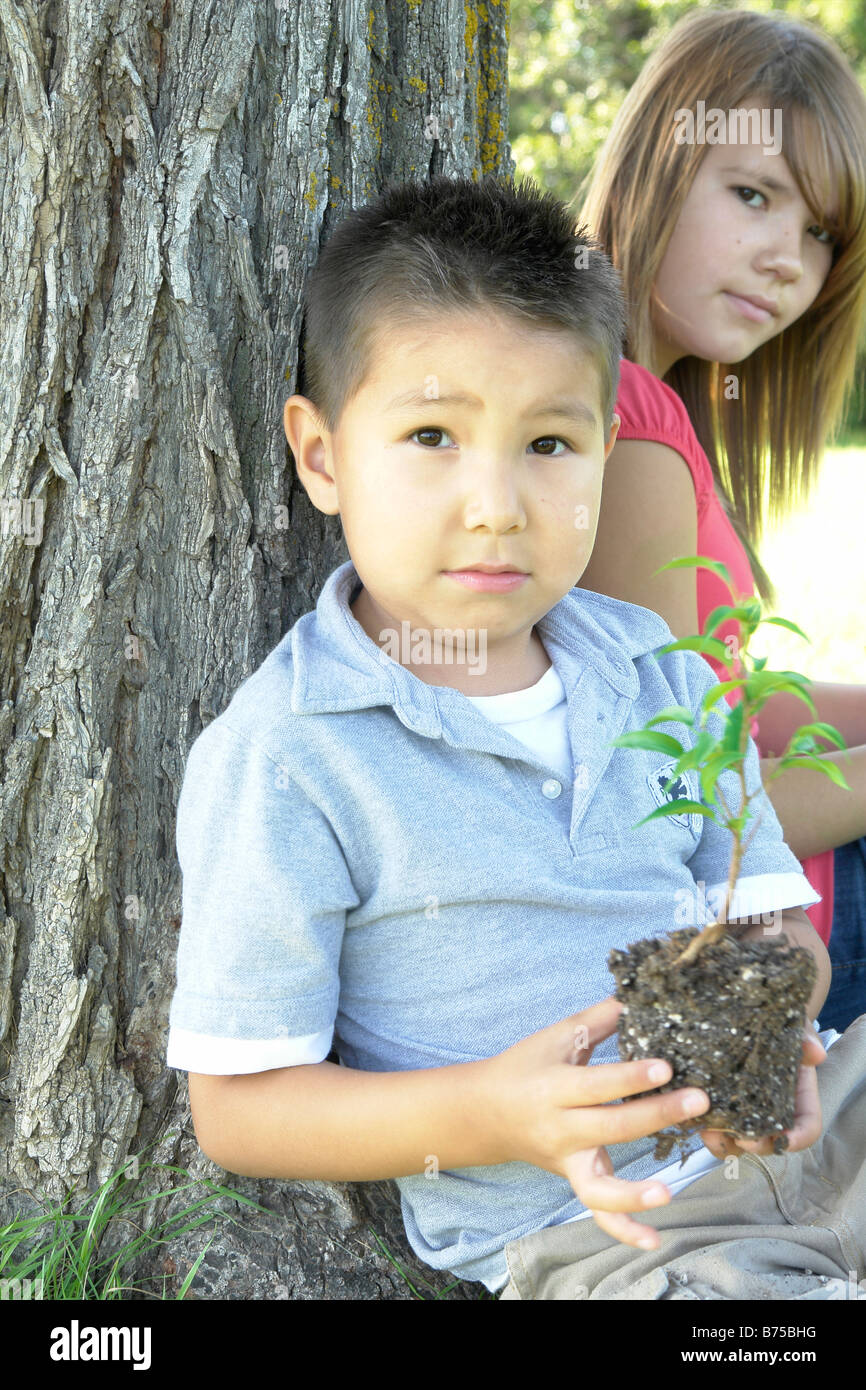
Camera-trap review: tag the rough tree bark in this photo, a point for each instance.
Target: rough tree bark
(167, 173)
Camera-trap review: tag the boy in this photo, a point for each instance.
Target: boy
(408, 836)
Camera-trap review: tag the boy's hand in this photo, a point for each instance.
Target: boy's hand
(807, 1109)
(543, 1105)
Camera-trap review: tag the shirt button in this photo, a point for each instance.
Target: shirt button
(551, 787)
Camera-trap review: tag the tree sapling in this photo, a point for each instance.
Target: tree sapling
(726, 1013)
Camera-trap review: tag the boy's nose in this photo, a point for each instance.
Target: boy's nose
(494, 514)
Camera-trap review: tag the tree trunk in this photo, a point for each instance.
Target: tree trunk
(167, 178)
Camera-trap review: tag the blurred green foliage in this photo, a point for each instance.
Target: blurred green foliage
(571, 63)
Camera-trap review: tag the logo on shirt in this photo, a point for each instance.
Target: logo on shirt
(681, 789)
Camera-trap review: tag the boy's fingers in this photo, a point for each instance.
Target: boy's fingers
(617, 1124)
(814, 1052)
(590, 1173)
(807, 1126)
(591, 1026)
(808, 1120)
(803, 1134)
(607, 1081)
(717, 1141)
(626, 1230)
(763, 1145)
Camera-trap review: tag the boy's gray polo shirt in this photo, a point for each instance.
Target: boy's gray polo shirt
(371, 864)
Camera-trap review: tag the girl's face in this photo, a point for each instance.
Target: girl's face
(744, 233)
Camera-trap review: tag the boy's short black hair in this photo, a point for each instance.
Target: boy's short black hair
(454, 244)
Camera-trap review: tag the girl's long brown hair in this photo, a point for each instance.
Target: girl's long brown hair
(765, 447)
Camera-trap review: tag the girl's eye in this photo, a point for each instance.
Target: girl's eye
(433, 429)
(823, 235)
(752, 193)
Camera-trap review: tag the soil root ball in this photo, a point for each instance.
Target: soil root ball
(730, 1022)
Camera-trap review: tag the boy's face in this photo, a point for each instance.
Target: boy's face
(442, 485)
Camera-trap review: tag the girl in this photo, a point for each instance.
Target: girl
(731, 196)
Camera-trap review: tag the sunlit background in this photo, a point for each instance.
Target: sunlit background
(571, 62)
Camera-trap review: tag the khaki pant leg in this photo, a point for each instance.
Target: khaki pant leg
(787, 1226)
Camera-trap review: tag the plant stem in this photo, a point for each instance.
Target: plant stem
(714, 931)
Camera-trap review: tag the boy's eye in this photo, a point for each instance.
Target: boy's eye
(434, 430)
(428, 430)
(551, 439)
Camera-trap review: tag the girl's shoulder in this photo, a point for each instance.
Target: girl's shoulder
(644, 400)
(650, 409)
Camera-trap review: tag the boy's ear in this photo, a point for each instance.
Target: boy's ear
(312, 449)
(611, 439)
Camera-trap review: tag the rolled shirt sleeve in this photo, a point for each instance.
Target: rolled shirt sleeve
(265, 892)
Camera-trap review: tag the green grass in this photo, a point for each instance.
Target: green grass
(58, 1252)
(816, 561)
(483, 1294)
(55, 1256)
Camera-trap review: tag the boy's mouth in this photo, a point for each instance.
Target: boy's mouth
(484, 567)
(485, 581)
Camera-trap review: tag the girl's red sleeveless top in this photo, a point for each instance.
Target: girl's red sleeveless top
(650, 409)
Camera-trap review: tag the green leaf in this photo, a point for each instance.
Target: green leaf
(783, 622)
(713, 695)
(763, 677)
(693, 757)
(733, 730)
(716, 618)
(819, 764)
(642, 738)
(755, 705)
(801, 694)
(676, 808)
(677, 713)
(759, 662)
(804, 744)
(828, 731)
(707, 646)
(748, 612)
(712, 770)
(762, 684)
(793, 676)
(699, 562)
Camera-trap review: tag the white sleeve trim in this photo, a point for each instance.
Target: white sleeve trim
(200, 1052)
(761, 893)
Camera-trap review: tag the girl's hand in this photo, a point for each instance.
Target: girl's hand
(807, 1110)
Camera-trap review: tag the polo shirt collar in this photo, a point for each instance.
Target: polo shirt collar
(336, 667)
